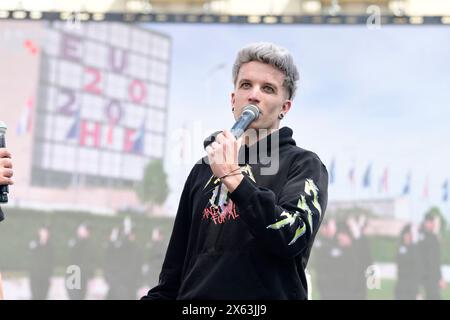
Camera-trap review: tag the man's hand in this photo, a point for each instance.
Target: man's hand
(6, 171)
(223, 159)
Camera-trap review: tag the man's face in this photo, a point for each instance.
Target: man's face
(332, 228)
(261, 84)
(407, 238)
(429, 225)
(43, 235)
(344, 239)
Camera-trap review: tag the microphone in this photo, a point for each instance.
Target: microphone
(250, 113)
(3, 188)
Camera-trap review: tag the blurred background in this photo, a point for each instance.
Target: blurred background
(107, 105)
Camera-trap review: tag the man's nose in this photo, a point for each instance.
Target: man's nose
(254, 96)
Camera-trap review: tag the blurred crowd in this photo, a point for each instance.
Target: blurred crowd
(342, 261)
(125, 266)
(344, 267)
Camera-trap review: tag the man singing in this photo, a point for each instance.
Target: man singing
(248, 215)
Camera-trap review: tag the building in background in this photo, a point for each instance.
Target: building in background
(95, 113)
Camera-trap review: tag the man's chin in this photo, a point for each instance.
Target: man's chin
(253, 128)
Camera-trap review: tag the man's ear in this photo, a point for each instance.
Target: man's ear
(233, 100)
(286, 106)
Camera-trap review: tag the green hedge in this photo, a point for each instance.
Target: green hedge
(384, 249)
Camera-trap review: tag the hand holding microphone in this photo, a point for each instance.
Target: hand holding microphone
(249, 114)
(223, 148)
(6, 171)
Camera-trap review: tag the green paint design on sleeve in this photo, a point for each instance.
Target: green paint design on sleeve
(290, 219)
(304, 206)
(312, 191)
(298, 233)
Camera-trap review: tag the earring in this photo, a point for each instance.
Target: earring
(281, 116)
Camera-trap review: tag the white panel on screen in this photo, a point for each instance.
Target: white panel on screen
(46, 156)
(151, 40)
(119, 34)
(155, 48)
(156, 120)
(98, 31)
(96, 54)
(157, 96)
(52, 72)
(64, 157)
(140, 41)
(138, 66)
(93, 107)
(88, 160)
(116, 86)
(135, 115)
(154, 73)
(50, 101)
(110, 164)
(69, 75)
(48, 127)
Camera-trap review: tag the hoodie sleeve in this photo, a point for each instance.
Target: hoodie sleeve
(287, 224)
(170, 276)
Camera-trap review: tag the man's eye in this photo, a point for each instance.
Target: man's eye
(245, 85)
(268, 89)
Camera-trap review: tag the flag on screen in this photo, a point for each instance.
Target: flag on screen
(407, 186)
(366, 179)
(26, 118)
(332, 168)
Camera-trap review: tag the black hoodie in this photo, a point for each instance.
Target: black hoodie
(253, 243)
